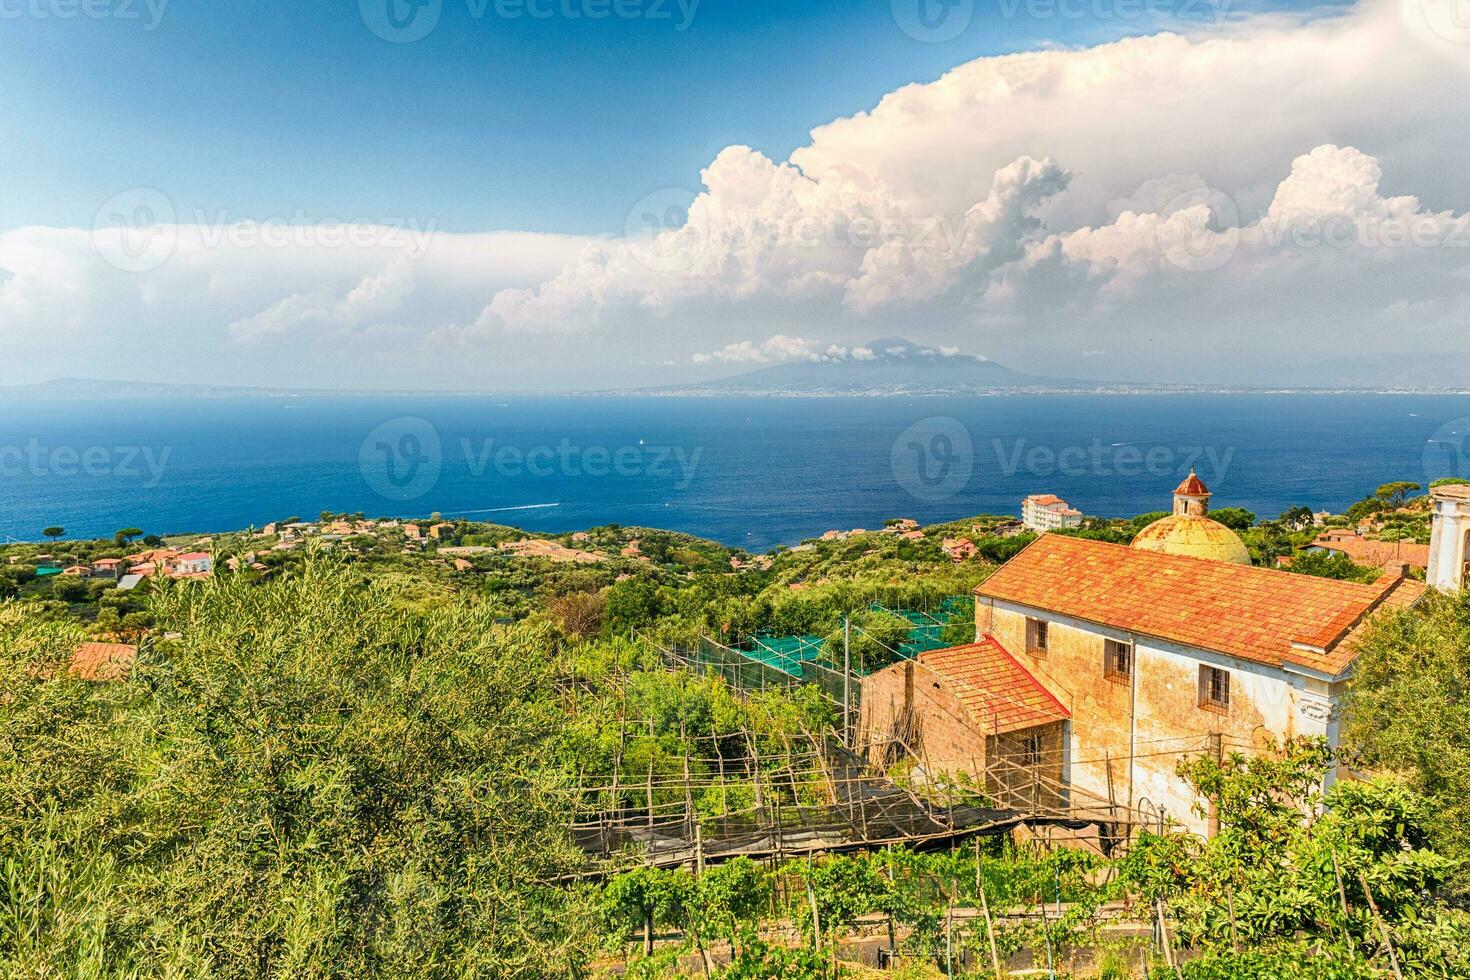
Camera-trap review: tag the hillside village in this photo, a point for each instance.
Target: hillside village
(1059, 694)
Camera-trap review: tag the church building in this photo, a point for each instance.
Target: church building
(1147, 654)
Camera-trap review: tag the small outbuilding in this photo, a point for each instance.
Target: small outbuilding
(969, 712)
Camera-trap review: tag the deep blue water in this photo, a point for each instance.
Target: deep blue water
(751, 473)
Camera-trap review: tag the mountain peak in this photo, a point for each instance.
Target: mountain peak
(888, 365)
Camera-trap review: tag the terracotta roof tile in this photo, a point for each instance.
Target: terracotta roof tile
(1192, 486)
(102, 661)
(1403, 594)
(1000, 694)
(1256, 614)
(1375, 553)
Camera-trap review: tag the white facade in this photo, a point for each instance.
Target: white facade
(1449, 542)
(1045, 512)
(196, 564)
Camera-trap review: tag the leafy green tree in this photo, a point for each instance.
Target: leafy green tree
(1298, 518)
(127, 534)
(1268, 542)
(631, 604)
(1393, 494)
(733, 896)
(1144, 520)
(153, 541)
(1324, 564)
(54, 532)
(960, 629)
(644, 899)
(1364, 509)
(1291, 866)
(875, 641)
(842, 889)
(317, 780)
(1235, 518)
(1449, 481)
(761, 960)
(1001, 550)
(69, 589)
(1408, 710)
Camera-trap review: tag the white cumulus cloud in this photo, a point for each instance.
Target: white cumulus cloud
(1267, 200)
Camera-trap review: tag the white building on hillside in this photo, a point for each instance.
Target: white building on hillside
(1449, 543)
(1044, 512)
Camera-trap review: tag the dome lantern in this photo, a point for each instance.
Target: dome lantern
(1192, 497)
(1189, 532)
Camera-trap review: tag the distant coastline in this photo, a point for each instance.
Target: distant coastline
(83, 389)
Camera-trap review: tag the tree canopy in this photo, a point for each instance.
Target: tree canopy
(1409, 706)
(312, 781)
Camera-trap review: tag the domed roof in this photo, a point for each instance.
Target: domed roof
(1193, 536)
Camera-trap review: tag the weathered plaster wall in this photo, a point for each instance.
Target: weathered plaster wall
(1155, 717)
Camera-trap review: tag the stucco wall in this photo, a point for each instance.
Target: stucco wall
(1155, 718)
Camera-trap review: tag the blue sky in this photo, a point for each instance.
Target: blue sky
(548, 124)
(1195, 191)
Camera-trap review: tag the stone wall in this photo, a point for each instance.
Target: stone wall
(908, 708)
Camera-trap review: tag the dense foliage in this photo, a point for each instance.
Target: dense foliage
(312, 781)
(1410, 713)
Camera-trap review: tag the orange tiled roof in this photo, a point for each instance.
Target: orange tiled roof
(1258, 614)
(1045, 499)
(1402, 594)
(1376, 553)
(1192, 486)
(102, 661)
(1000, 694)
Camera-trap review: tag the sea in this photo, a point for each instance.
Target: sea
(749, 472)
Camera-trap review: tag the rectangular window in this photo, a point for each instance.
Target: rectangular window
(1036, 636)
(1117, 660)
(1031, 751)
(1214, 688)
